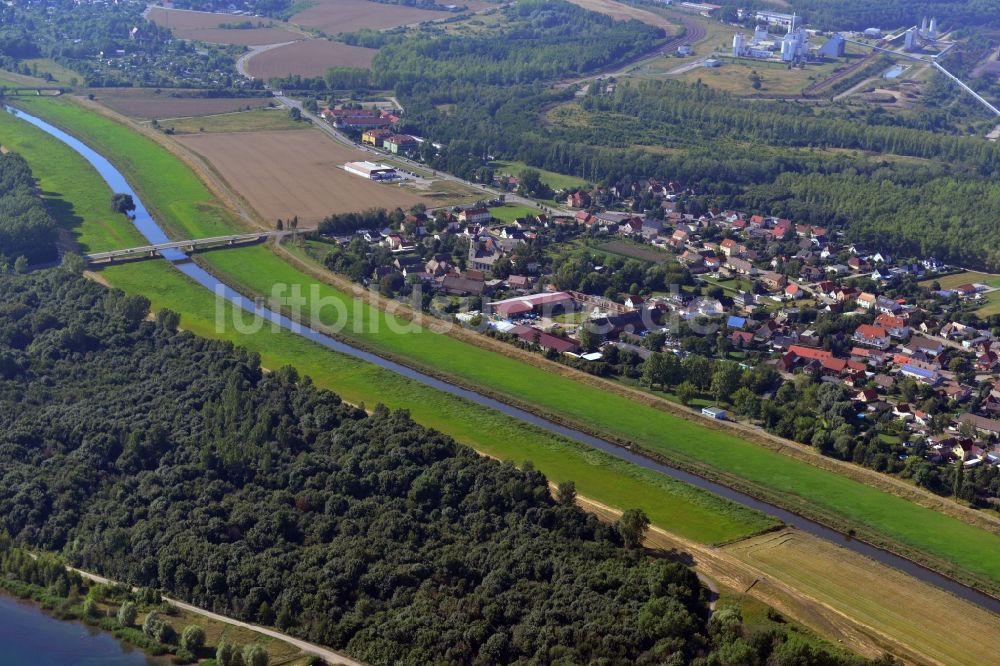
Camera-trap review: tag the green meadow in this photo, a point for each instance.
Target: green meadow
(169, 188)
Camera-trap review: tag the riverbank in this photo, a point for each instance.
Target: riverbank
(74, 603)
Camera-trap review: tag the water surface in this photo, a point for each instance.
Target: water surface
(29, 637)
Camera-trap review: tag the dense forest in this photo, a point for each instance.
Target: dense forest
(26, 228)
(169, 461)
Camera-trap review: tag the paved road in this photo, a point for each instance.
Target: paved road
(324, 653)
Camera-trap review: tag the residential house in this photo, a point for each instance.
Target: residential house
(981, 423)
(872, 336)
(896, 326)
(740, 266)
(887, 305)
(773, 281)
(578, 199)
(919, 344)
(460, 285)
(866, 300)
(475, 216)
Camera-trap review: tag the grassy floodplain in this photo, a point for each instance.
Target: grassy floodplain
(160, 177)
(675, 506)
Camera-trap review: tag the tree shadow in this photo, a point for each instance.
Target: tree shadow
(63, 212)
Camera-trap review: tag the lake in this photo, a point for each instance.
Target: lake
(29, 637)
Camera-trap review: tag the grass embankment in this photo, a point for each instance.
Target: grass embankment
(675, 506)
(256, 120)
(946, 542)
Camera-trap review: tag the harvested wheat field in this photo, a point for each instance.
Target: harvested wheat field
(144, 104)
(623, 12)
(296, 172)
(335, 16)
(309, 58)
(204, 26)
(920, 619)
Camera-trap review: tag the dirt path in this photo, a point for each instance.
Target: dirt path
(311, 648)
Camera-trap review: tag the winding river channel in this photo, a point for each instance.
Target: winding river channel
(152, 231)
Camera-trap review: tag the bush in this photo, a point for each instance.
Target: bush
(126, 614)
(254, 655)
(193, 637)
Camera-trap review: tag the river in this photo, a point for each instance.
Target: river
(152, 231)
(29, 637)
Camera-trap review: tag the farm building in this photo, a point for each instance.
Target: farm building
(370, 170)
(522, 305)
(715, 413)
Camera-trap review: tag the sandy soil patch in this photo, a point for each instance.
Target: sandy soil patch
(622, 12)
(308, 58)
(928, 621)
(204, 26)
(335, 16)
(282, 174)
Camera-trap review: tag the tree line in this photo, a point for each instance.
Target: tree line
(26, 228)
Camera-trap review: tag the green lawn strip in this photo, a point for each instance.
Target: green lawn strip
(802, 487)
(556, 181)
(172, 192)
(675, 506)
(510, 213)
(81, 208)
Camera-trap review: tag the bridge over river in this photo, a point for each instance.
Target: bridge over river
(215, 242)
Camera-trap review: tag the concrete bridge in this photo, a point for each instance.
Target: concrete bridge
(156, 249)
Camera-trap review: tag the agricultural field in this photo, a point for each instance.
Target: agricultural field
(556, 181)
(204, 26)
(282, 174)
(636, 251)
(146, 104)
(312, 57)
(336, 16)
(257, 120)
(965, 277)
(923, 618)
(622, 12)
